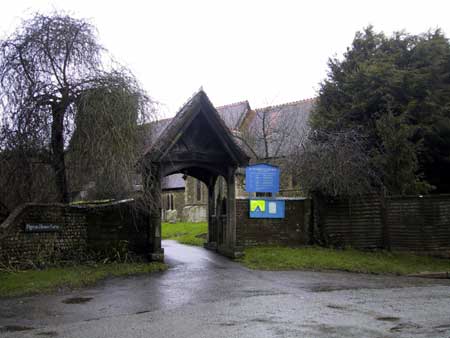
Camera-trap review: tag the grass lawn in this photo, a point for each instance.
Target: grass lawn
(314, 258)
(317, 258)
(186, 233)
(38, 281)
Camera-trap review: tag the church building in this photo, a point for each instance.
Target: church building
(267, 135)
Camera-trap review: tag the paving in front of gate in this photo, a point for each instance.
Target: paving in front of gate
(206, 295)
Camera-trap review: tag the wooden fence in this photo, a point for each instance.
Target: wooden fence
(400, 223)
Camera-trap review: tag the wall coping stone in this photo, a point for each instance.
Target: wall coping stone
(100, 205)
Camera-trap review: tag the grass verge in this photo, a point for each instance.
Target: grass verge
(41, 281)
(317, 258)
(186, 233)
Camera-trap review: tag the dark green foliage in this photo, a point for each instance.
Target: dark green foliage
(398, 156)
(395, 91)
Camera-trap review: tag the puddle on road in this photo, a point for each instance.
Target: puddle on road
(77, 300)
(405, 326)
(257, 293)
(335, 306)
(15, 328)
(141, 312)
(329, 288)
(228, 324)
(388, 319)
(48, 334)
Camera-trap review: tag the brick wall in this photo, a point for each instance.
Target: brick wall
(291, 230)
(67, 242)
(111, 226)
(78, 230)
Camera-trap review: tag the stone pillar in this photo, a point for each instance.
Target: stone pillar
(212, 221)
(152, 193)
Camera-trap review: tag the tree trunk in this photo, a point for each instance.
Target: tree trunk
(58, 162)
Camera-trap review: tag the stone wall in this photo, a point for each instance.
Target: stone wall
(176, 213)
(192, 195)
(195, 214)
(68, 232)
(196, 201)
(291, 230)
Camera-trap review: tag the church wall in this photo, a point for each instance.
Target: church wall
(172, 213)
(195, 201)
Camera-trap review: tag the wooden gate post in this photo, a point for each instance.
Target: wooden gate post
(230, 248)
(152, 193)
(212, 220)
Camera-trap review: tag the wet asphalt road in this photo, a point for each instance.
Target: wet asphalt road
(206, 295)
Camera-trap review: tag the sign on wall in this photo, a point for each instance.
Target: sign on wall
(266, 208)
(262, 178)
(41, 227)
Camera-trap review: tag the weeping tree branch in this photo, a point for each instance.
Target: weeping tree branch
(52, 85)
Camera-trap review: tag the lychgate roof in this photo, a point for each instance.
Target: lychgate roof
(232, 114)
(182, 134)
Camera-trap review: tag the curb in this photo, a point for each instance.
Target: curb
(437, 275)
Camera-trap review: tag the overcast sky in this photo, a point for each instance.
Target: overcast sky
(267, 52)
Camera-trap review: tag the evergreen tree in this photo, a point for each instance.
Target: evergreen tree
(396, 92)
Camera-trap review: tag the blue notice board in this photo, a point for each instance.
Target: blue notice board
(262, 178)
(266, 208)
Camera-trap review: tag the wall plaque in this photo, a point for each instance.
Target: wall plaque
(41, 227)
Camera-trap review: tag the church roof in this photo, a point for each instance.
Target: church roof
(280, 127)
(174, 181)
(233, 114)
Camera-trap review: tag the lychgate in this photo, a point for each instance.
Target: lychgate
(196, 143)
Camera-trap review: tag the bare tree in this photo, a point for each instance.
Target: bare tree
(48, 69)
(275, 132)
(335, 164)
